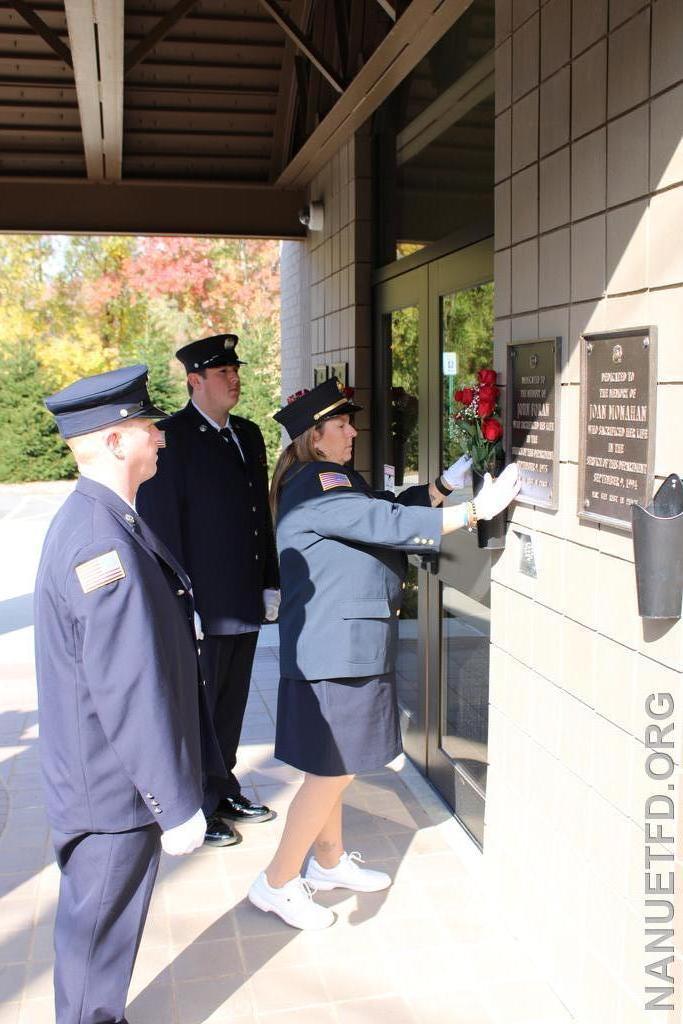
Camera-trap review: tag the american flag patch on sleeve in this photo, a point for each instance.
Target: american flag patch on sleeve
(330, 480)
(99, 571)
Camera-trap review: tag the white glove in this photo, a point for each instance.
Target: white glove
(198, 626)
(459, 474)
(497, 495)
(186, 837)
(271, 603)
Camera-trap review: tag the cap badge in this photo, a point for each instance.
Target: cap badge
(340, 387)
(228, 343)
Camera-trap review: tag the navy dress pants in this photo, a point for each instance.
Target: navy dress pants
(105, 889)
(226, 663)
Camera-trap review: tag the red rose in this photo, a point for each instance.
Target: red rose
(458, 396)
(488, 393)
(467, 396)
(492, 429)
(486, 407)
(487, 376)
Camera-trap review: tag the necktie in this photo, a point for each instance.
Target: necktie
(227, 436)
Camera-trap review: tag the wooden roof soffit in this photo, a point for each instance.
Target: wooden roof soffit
(304, 44)
(423, 23)
(96, 35)
(155, 35)
(44, 31)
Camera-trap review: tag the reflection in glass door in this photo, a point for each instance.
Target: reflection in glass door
(401, 319)
(460, 591)
(402, 327)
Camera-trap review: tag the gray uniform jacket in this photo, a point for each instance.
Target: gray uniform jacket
(117, 671)
(342, 564)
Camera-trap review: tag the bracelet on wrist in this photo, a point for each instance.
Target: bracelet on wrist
(442, 488)
(471, 513)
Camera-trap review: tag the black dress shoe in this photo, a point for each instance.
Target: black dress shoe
(240, 808)
(218, 833)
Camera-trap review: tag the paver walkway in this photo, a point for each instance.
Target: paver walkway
(428, 950)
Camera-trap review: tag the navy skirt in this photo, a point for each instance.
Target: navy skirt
(338, 726)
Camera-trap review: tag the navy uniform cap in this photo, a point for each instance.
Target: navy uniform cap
(309, 408)
(100, 401)
(218, 350)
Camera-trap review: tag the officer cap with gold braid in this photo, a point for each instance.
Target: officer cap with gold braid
(309, 408)
(218, 350)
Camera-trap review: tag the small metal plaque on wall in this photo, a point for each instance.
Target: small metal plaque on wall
(618, 408)
(532, 418)
(341, 371)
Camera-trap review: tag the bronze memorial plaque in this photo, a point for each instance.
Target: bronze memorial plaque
(616, 460)
(533, 403)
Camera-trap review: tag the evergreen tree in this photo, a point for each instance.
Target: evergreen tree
(30, 446)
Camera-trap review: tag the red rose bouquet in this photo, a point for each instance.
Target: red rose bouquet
(477, 424)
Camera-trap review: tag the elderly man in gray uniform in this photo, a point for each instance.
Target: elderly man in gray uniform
(119, 716)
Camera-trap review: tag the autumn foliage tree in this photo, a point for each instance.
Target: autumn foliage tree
(80, 306)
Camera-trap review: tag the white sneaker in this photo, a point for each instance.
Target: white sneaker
(347, 875)
(293, 902)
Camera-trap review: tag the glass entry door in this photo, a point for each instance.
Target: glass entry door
(400, 458)
(435, 327)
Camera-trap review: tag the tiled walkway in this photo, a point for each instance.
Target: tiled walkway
(427, 950)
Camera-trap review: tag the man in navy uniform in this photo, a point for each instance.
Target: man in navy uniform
(118, 685)
(209, 504)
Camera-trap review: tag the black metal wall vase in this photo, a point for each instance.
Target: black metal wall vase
(658, 551)
(490, 532)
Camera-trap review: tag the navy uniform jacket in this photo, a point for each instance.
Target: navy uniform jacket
(211, 510)
(342, 564)
(115, 662)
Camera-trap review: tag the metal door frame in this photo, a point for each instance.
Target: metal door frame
(455, 272)
(423, 288)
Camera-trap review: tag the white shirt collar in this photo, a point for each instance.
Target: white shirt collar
(208, 418)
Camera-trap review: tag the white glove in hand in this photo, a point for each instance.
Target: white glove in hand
(186, 837)
(198, 626)
(497, 494)
(459, 474)
(271, 604)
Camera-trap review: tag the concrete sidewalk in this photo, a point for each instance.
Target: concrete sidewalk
(427, 951)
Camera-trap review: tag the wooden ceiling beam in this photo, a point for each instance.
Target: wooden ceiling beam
(46, 33)
(153, 37)
(149, 208)
(412, 37)
(287, 93)
(388, 9)
(96, 35)
(304, 44)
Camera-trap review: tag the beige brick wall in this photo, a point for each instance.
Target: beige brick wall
(589, 236)
(326, 285)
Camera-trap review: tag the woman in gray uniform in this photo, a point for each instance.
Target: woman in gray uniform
(342, 554)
